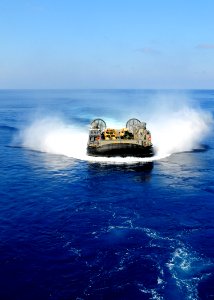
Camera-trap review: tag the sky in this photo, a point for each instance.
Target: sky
(88, 44)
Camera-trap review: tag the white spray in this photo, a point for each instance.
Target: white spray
(179, 131)
(52, 135)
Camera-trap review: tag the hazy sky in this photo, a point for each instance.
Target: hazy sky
(107, 44)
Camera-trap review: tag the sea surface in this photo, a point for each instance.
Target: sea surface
(79, 227)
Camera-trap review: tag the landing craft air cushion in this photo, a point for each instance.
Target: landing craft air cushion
(133, 140)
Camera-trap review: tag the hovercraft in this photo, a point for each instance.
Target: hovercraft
(132, 140)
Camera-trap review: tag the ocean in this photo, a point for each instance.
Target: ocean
(80, 227)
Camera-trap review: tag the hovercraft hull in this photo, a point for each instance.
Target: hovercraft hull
(120, 149)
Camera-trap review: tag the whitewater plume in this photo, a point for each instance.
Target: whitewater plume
(52, 135)
(178, 131)
(172, 132)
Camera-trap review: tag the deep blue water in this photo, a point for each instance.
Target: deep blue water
(75, 229)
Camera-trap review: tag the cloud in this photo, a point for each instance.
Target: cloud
(205, 46)
(148, 50)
